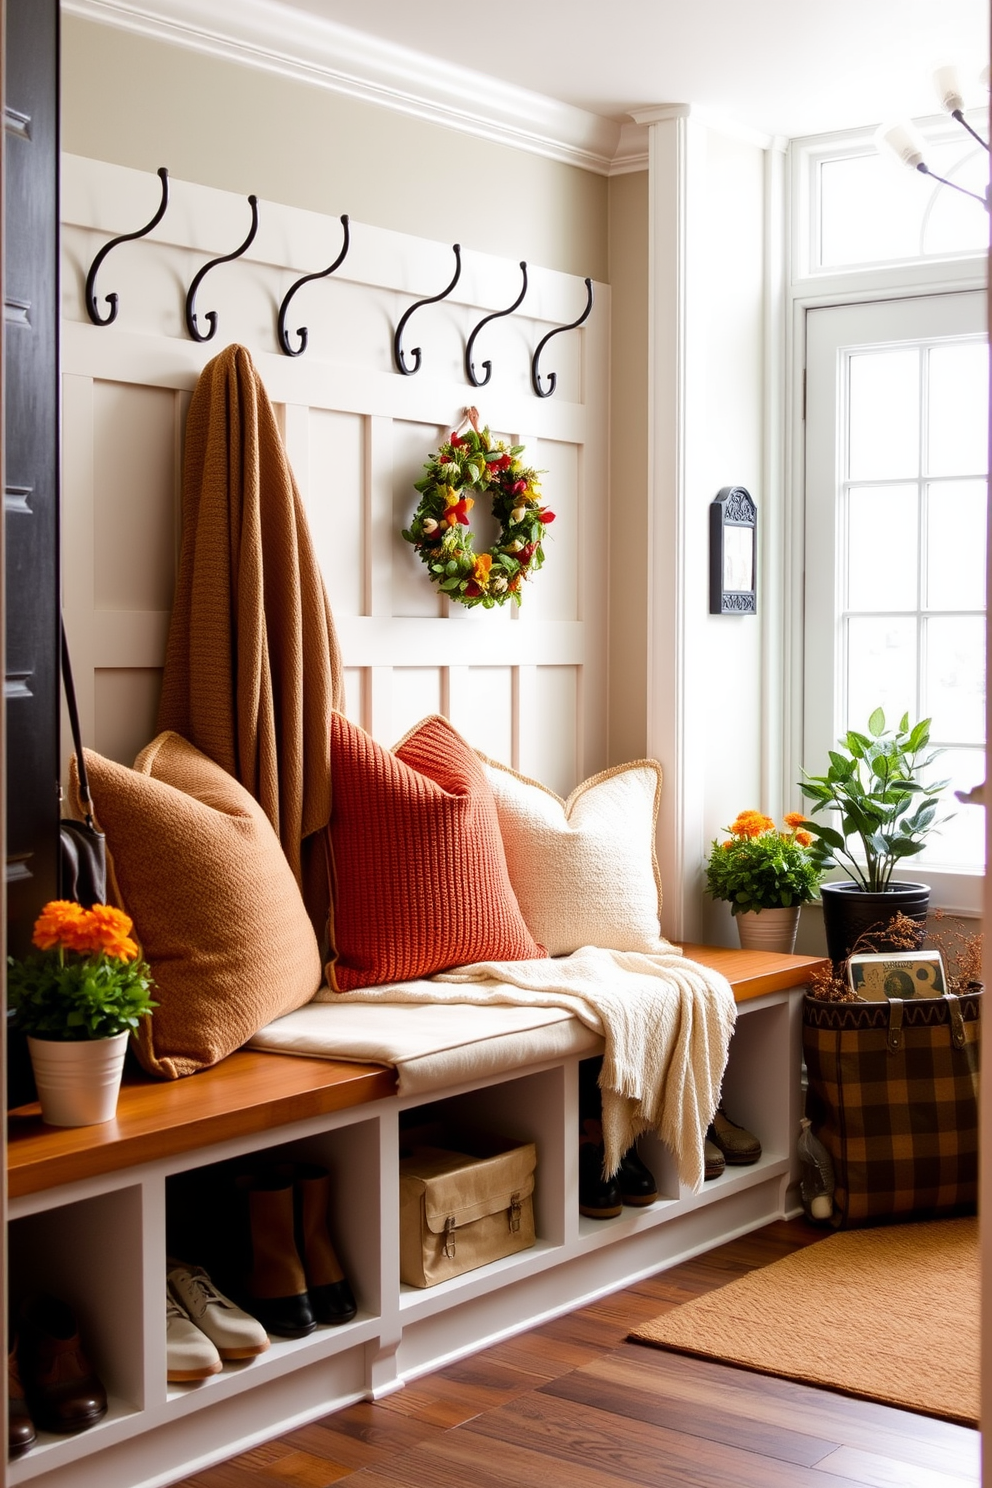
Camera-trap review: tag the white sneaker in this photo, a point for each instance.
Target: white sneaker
(189, 1354)
(235, 1334)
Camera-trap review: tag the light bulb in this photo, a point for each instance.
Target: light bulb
(902, 140)
(948, 87)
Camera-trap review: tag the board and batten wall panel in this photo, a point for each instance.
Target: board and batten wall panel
(526, 686)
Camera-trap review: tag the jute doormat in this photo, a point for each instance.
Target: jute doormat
(888, 1314)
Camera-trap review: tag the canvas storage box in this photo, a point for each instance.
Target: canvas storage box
(462, 1209)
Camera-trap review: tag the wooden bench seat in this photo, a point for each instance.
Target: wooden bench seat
(255, 1092)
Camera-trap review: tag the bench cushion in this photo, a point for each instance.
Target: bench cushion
(432, 1046)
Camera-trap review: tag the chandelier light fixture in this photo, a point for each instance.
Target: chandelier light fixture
(904, 141)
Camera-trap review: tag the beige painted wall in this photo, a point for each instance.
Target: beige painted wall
(628, 523)
(137, 102)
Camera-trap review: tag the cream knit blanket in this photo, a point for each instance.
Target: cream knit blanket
(666, 1024)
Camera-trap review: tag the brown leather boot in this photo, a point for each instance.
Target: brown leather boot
(330, 1295)
(276, 1285)
(62, 1388)
(20, 1427)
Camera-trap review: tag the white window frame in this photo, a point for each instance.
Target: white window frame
(957, 893)
(809, 155)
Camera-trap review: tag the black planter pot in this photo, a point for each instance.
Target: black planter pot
(849, 911)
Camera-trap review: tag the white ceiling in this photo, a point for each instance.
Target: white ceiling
(787, 67)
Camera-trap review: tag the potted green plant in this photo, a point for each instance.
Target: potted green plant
(78, 999)
(765, 875)
(875, 782)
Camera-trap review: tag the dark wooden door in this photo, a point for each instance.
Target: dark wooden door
(31, 459)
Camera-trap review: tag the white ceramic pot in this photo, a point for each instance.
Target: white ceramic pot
(78, 1083)
(769, 929)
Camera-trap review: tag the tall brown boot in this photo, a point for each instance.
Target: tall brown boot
(276, 1284)
(330, 1295)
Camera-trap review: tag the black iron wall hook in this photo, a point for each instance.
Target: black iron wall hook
(211, 315)
(470, 371)
(398, 354)
(322, 274)
(535, 375)
(91, 305)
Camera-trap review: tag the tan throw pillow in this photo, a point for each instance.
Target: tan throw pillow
(216, 909)
(584, 871)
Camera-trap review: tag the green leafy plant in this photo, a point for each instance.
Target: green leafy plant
(759, 867)
(86, 982)
(874, 782)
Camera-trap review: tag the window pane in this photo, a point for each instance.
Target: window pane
(869, 212)
(881, 668)
(958, 423)
(955, 678)
(873, 210)
(884, 414)
(960, 841)
(882, 530)
(956, 520)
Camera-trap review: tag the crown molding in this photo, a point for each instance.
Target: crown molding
(632, 151)
(658, 113)
(280, 39)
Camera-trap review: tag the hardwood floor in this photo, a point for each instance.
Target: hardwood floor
(572, 1405)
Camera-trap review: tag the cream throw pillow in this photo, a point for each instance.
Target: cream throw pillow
(216, 909)
(585, 870)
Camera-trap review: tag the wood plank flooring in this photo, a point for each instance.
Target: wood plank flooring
(572, 1405)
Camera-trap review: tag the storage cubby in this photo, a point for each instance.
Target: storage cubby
(89, 1254)
(206, 1215)
(92, 1220)
(765, 1042)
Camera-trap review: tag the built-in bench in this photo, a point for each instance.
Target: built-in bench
(88, 1209)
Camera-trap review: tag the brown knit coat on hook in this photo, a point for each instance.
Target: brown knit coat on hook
(252, 667)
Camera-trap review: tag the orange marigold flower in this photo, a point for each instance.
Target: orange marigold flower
(110, 931)
(88, 932)
(752, 824)
(804, 838)
(480, 568)
(794, 819)
(61, 922)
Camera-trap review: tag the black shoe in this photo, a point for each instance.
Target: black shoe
(635, 1181)
(284, 1317)
(334, 1303)
(599, 1197)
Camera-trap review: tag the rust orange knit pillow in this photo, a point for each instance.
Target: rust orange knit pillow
(420, 880)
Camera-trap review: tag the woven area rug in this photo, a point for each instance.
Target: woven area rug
(887, 1314)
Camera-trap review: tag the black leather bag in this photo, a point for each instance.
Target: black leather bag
(82, 849)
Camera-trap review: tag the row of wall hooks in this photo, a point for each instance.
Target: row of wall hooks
(406, 363)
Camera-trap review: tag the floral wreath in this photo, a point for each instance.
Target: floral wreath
(476, 462)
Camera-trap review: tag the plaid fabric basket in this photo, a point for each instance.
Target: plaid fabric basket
(893, 1096)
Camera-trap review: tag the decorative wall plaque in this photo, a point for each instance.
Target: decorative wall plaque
(733, 553)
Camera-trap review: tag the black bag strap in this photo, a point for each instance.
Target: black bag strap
(70, 697)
